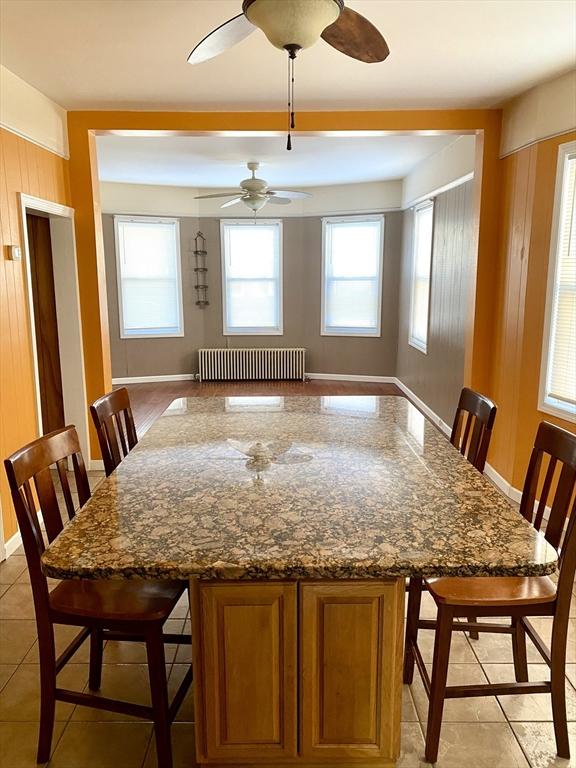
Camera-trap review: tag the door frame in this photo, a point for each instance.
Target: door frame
(62, 236)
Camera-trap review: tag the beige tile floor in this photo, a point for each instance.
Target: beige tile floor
(503, 732)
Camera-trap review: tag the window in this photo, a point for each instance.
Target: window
(558, 372)
(421, 266)
(252, 277)
(352, 275)
(149, 282)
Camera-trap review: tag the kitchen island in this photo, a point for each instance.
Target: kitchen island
(296, 521)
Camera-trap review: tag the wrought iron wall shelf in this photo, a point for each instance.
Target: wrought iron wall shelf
(200, 255)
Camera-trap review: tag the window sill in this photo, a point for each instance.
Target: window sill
(565, 412)
(252, 333)
(346, 334)
(420, 347)
(179, 335)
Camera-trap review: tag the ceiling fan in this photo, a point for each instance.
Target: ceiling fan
(255, 193)
(292, 25)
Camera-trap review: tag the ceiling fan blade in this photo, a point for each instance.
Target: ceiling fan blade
(220, 39)
(233, 193)
(231, 202)
(291, 194)
(279, 200)
(357, 37)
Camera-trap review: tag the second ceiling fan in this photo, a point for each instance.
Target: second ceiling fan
(255, 193)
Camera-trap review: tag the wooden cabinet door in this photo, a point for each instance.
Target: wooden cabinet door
(351, 647)
(249, 668)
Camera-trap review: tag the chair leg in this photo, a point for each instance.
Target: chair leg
(442, 643)
(96, 649)
(414, 600)
(159, 696)
(558, 687)
(474, 635)
(47, 653)
(519, 651)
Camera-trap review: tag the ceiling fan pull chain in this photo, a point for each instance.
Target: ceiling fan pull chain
(293, 64)
(289, 141)
(292, 50)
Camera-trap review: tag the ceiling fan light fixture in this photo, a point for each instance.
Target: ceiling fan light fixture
(255, 203)
(292, 23)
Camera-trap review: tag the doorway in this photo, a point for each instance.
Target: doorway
(45, 322)
(49, 251)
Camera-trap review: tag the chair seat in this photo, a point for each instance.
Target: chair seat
(492, 591)
(108, 600)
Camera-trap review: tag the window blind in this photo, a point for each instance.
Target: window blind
(421, 267)
(352, 271)
(561, 367)
(251, 260)
(149, 289)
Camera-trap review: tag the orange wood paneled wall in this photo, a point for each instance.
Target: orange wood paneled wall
(24, 167)
(527, 201)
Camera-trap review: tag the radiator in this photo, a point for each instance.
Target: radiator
(230, 364)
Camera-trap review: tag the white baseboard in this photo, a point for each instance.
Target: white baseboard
(12, 544)
(503, 484)
(192, 377)
(150, 379)
(421, 405)
(96, 465)
(351, 377)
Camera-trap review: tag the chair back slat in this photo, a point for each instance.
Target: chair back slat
(544, 493)
(29, 510)
(477, 433)
(48, 500)
(33, 464)
(472, 428)
(120, 431)
(114, 422)
(62, 467)
(467, 417)
(29, 497)
(112, 448)
(528, 499)
(81, 478)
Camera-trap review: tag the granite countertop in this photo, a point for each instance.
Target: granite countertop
(300, 487)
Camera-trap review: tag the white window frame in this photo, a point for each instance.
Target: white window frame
(148, 220)
(253, 331)
(545, 403)
(412, 341)
(324, 330)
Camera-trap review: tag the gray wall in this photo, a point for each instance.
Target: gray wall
(154, 357)
(302, 256)
(437, 377)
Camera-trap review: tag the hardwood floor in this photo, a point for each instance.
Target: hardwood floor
(150, 400)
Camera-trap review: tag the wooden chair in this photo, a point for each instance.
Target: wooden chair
(112, 417)
(517, 598)
(471, 433)
(115, 610)
(472, 428)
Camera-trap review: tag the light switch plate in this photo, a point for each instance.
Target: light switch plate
(14, 253)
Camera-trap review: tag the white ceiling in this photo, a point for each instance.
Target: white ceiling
(444, 53)
(198, 161)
